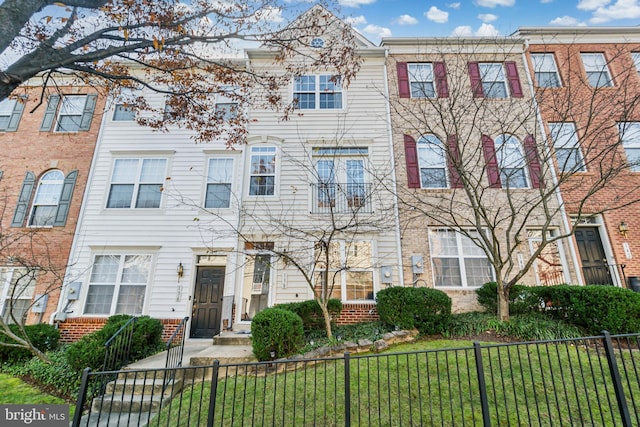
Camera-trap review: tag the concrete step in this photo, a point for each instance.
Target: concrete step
(232, 339)
(149, 388)
(129, 403)
(118, 419)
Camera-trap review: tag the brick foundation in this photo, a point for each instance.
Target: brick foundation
(357, 313)
(73, 329)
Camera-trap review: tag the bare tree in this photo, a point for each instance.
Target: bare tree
(179, 48)
(484, 157)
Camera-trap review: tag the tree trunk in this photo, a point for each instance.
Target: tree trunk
(503, 303)
(327, 318)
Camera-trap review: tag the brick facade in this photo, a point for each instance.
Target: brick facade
(73, 329)
(357, 313)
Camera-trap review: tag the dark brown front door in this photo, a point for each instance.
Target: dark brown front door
(594, 264)
(207, 302)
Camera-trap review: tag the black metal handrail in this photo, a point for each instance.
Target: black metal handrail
(175, 346)
(333, 197)
(118, 347)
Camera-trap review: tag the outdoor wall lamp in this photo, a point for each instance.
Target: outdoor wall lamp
(623, 228)
(180, 270)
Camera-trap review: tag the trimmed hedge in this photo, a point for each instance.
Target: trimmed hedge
(487, 296)
(276, 330)
(44, 337)
(89, 350)
(425, 309)
(311, 313)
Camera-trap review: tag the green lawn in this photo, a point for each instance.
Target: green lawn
(15, 391)
(566, 384)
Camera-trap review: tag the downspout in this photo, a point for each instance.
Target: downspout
(393, 169)
(554, 177)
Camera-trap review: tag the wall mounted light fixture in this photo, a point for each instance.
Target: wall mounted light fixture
(623, 228)
(180, 270)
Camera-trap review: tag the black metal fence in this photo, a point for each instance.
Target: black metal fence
(583, 381)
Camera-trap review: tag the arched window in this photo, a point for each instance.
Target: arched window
(433, 162)
(511, 161)
(45, 202)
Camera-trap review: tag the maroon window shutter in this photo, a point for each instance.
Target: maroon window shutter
(440, 72)
(531, 154)
(411, 157)
(403, 80)
(476, 82)
(514, 79)
(493, 173)
(453, 161)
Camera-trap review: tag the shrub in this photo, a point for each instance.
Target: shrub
(278, 331)
(594, 308)
(89, 350)
(425, 309)
(58, 375)
(44, 337)
(311, 313)
(487, 296)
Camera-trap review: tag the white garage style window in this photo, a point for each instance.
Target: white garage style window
(118, 284)
(457, 261)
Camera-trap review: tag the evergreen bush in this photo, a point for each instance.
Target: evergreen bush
(44, 337)
(425, 309)
(311, 313)
(276, 330)
(519, 298)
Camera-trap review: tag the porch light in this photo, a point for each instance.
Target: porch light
(180, 270)
(623, 228)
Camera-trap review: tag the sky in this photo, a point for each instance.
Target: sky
(432, 18)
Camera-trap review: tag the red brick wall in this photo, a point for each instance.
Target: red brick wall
(357, 313)
(73, 329)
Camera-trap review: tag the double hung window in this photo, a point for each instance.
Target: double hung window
(137, 183)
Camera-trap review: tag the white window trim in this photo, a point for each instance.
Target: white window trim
(635, 56)
(317, 108)
(553, 69)
(231, 182)
(6, 285)
(445, 166)
(276, 175)
(512, 140)
(576, 146)
(59, 114)
(432, 81)
(249, 255)
(114, 298)
(591, 70)
(504, 80)
(134, 195)
(35, 195)
(633, 144)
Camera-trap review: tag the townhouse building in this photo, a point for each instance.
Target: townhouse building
(587, 87)
(47, 139)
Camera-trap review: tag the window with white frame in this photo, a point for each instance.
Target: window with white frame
(46, 200)
(10, 114)
(257, 275)
(118, 284)
(456, 260)
(567, 147)
(227, 110)
(262, 171)
(494, 82)
(511, 162)
(341, 178)
(549, 264)
(70, 114)
(545, 70)
(432, 162)
(630, 137)
(421, 80)
(17, 287)
(137, 183)
(219, 180)
(635, 56)
(122, 111)
(350, 272)
(596, 68)
(311, 92)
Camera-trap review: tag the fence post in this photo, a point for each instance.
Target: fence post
(214, 392)
(482, 385)
(347, 390)
(82, 394)
(617, 382)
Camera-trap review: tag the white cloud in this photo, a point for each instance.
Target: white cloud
(592, 4)
(462, 31)
(377, 31)
(487, 17)
(436, 15)
(356, 20)
(270, 14)
(494, 3)
(567, 21)
(621, 9)
(355, 3)
(406, 20)
(455, 5)
(485, 30)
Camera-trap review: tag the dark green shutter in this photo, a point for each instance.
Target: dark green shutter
(23, 199)
(87, 114)
(50, 113)
(65, 199)
(15, 116)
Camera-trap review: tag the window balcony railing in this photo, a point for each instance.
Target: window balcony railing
(341, 198)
